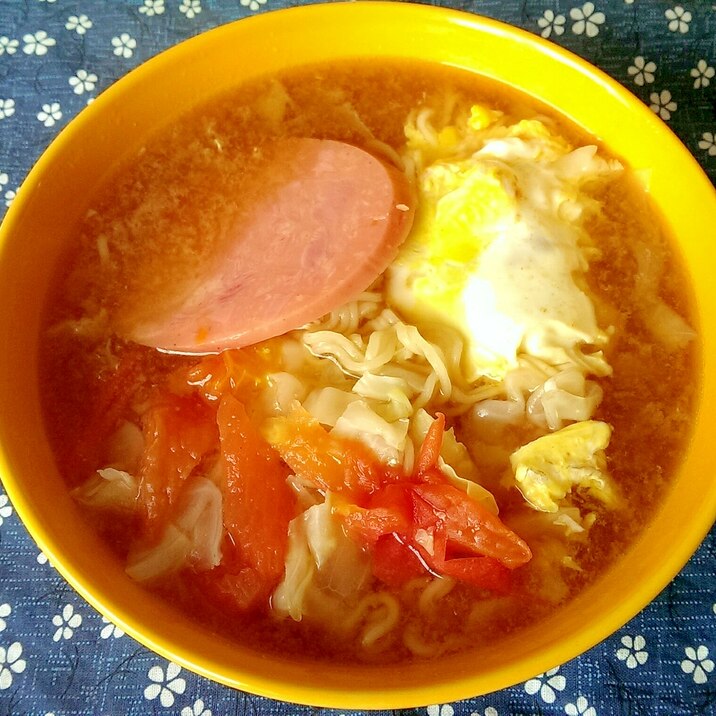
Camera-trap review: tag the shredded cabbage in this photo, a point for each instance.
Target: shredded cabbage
(328, 404)
(192, 538)
(387, 440)
(322, 563)
(109, 488)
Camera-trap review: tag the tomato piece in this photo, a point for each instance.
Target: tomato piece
(240, 372)
(471, 528)
(429, 452)
(482, 572)
(178, 433)
(325, 461)
(423, 520)
(394, 562)
(258, 504)
(112, 395)
(388, 511)
(307, 449)
(238, 591)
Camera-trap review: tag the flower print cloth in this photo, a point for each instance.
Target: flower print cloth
(57, 655)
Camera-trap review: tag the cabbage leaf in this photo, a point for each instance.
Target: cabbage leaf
(322, 564)
(193, 538)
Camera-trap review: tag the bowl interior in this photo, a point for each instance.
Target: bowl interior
(42, 220)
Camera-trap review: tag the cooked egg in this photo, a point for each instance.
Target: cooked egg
(497, 248)
(550, 467)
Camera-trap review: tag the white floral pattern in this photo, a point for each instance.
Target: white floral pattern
(642, 71)
(8, 45)
(662, 104)
(191, 8)
(679, 19)
(110, 630)
(5, 611)
(697, 663)
(708, 143)
(79, 23)
(587, 19)
(66, 623)
(37, 43)
(632, 652)
(124, 45)
(5, 506)
(150, 8)
(546, 684)
(198, 709)
(703, 73)
(50, 114)
(489, 711)
(551, 23)
(580, 707)
(83, 81)
(253, 4)
(7, 108)
(10, 663)
(165, 684)
(10, 196)
(440, 710)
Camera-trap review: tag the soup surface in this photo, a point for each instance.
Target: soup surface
(463, 447)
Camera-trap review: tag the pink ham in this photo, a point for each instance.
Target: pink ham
(326, 219)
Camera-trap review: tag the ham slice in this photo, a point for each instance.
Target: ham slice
(323, 221)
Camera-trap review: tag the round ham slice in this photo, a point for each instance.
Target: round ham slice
(323, 221)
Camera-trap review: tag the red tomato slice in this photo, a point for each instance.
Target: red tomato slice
(472, 529)
(430, 449)
(242, 590)
(482, 572)
(326, 461)
(258, 504)
(112, 395)
(388, 511)
(178, 433)
(239, 372)
(394, 562)
(423, 519)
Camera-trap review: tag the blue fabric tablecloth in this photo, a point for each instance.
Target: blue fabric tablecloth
(57, 655)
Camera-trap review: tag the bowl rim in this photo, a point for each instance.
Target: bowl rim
(463, 686)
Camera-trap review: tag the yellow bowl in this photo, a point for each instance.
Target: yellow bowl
(41, 221)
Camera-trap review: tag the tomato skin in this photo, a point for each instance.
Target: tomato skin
(325, 461)
(258, 504)
(421, 523)
(241, 372)
(113, 394)
(394, 561)
(308, 449)
(481, 572)
(178, 433)
(472, 529)
(429, 453)
(233, 589)
(387, 511)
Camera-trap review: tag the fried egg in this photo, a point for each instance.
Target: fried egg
(498, 251)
